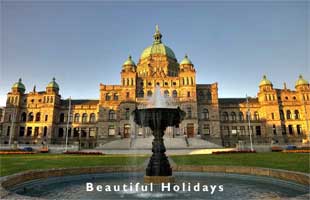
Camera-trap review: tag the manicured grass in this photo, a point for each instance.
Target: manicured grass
(10, 164)
(276, 160)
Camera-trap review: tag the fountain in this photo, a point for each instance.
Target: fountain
(158, 116)
(158, 119)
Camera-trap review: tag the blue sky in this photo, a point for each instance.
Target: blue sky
(84, 43)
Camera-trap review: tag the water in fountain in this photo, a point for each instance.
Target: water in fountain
(157, 100)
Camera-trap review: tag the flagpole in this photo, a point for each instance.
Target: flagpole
(249, 121)
(68, 121)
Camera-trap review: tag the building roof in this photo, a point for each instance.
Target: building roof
(157, 47)
(129, 61)
(53, 84)
(79, 102)
(301, 81)
(19, 85)
(265, 81)
(186, 61)
(236, 100)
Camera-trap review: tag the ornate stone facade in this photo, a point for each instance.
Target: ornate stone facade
(276, 114)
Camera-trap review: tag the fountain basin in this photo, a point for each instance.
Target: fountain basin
(281, 183)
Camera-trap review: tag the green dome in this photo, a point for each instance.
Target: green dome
(265, 81)
(186, 61)
(53, 84)
(157, 47)
(19, 85)
(301, 81)
(129, 61)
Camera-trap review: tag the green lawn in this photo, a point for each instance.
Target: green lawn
(10, 164)
(276, 160)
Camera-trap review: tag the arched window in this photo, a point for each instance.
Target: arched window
(225, 116)
(174, 93)
(84, 118)
(107, 97)
(141, 93)
(60, 132)
(23, 117)
(62, 118)
(166, 93)
(30, 117)
(233, 116)
(38, 117)
(256, 116)
(296, 113)
(288, 114)
(241, 118)
(192, 81)
(149, 93)
(189, 112)
(205, 114)
(92, 118)
(112, 115)
(209, 96)
(77, 118)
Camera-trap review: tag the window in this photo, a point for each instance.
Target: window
(174, 94)
(38, 117)
(30, 117)
(92, 118)
(21, 131)
(84, 118)
(274, 130)
(46, 117)
(209, 96)
(205, 114)
(258, 130)
(8, 131)
(107, 97)
(127, 94)
(288, 114)
(112, 115)
(62, 118)
(149, 93)
(242, 130)
(256, 116)
(141, 94)
(127, 114)
(29, 131)
(60, 132)
(51, 99)
(299, 129)
(77, 118)
(241, 118)
(188, 94)
(83, 132)
(296, 113)
(290, 129)
(272, 115)
(189, 112)
(23, 117)
(233, 116)
(36, 131)
(115, 97)
(166, 93)
(225, 116)
(45, 131)
(76, 132)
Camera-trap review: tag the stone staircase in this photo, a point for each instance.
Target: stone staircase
(170, 143)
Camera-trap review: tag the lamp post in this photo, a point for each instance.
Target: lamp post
(68, 121)
(249, 121)
(12, 124)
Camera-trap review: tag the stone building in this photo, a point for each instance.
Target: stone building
(275, 114)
